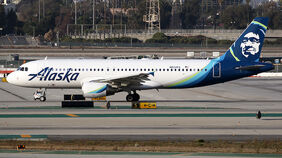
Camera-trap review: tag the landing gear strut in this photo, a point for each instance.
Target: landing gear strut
(132, 97)
(40, 95)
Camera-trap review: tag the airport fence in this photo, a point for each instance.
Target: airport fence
(164, 45)
(13, 40)
(153, 45)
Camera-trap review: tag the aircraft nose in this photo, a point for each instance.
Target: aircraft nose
(11, 78)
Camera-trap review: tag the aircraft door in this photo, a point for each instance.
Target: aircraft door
(217, 70)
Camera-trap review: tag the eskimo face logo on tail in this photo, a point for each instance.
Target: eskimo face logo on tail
(47, 75)
(250, 44)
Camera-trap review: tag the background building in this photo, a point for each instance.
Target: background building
(208, 5)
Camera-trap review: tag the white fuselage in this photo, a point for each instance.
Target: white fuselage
(71, 73)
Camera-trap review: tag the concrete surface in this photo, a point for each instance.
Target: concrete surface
(220, 111)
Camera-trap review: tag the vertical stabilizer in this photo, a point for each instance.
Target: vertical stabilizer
(248, 46)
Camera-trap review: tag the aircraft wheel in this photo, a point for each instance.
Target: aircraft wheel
(136, 97)
(130, 98)
(42, 98)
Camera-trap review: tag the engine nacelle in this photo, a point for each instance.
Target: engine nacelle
(95, 90)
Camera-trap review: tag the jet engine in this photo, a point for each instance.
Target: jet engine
(95, 90)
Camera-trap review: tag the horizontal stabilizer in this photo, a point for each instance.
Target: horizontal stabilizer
(250, 68)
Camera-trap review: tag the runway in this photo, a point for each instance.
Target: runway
(221, 112)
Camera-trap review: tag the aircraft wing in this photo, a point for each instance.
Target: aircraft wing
(122, 81)
(250, 68)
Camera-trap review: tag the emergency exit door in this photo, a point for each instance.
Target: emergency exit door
(217, 70)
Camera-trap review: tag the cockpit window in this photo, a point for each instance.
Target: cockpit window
(22, 69)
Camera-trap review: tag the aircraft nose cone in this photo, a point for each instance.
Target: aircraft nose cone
(11, 78)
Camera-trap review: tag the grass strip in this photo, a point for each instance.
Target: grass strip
(249, 148)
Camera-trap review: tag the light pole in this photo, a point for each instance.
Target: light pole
(1, 29)
(43, 9)
(75, 12)
(93, 14)
(39, 10)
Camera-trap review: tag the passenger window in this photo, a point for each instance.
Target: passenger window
(90, 69)
(182, 69)
(121, 69)
(198, 69)
(114, 70)
(25, 69)
(98, 69)
(167, 69)
(205, 69)
(190, 69)
(160, 69)
(108, 70)
(125, 69)
(86, 69)
(102, 69)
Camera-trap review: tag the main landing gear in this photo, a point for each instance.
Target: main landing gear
(40, 94)
(132, 97)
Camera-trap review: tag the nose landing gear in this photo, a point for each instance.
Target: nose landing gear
(40, 95)
(132, 97)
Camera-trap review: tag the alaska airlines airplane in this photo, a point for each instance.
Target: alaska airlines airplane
(104, 77)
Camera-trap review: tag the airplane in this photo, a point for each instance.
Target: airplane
(104, 77)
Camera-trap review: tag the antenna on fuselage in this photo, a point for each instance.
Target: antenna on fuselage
(46, 58)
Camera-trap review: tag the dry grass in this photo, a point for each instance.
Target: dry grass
(274, 146)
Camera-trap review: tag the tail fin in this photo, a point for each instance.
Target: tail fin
(248, 46)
